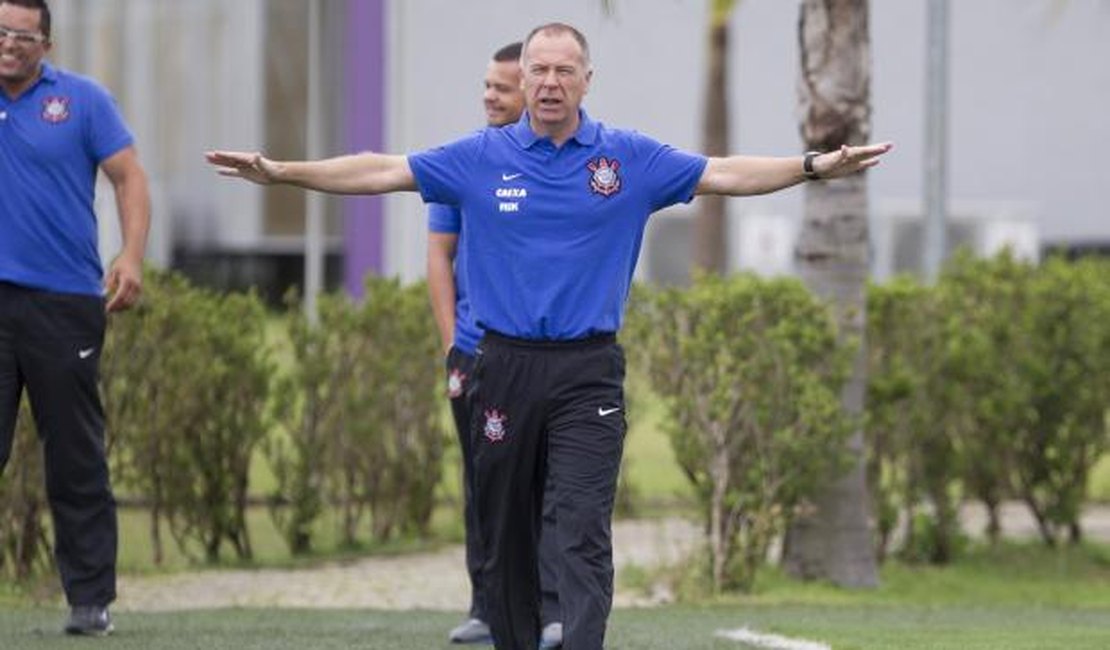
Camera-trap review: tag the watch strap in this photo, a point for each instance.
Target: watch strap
(807, 166)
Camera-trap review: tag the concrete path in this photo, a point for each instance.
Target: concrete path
(438, 580)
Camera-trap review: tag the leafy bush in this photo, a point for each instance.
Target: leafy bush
(751, 371)
(24, 543)
(911, 454)
(995, 383)
(987, 354)
(361, 415)
(186, 379)
(1070, 377)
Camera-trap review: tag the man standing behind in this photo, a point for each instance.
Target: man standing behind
(56, 130)
(504, 103)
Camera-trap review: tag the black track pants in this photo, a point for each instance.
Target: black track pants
(50, 343)
(547, 408)
(460, 368)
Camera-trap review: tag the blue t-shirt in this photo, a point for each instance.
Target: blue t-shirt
(52, 141)
(447, 219)
(553, 233)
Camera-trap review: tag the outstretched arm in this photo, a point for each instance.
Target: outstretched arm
(748, 175)
(364, 173)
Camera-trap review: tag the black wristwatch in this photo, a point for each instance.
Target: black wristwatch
(807, 166)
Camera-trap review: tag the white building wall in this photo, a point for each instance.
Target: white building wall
(185, 76)
(1029, 86)
(1028, 80)
(226, 102)
(1030, 83)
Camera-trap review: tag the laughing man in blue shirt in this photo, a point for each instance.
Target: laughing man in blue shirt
(57, 129)
(554, 209)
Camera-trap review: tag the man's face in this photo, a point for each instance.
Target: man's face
(504, 99)
(22, 45)
(556, 78)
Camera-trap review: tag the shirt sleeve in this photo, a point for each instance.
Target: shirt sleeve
(672, 174)
(444, 219)
(443, 173)
(106, 132)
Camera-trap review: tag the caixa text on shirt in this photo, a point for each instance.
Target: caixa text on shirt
(510, 193)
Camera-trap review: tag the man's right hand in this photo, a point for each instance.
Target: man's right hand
(252, 166)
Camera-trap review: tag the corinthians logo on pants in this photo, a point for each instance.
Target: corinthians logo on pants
(495, 429)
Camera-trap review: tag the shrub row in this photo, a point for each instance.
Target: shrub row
(992, 384)
(751, 371)
(194, 386)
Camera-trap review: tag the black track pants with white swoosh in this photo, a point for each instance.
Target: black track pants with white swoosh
(544, 407)
(461, 365)
(50, 344)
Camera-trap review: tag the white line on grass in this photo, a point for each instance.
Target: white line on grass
(770, 641)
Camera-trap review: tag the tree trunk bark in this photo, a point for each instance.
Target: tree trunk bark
(994, 520)
(719, 539)
(835, 541)
(709, 225)
(1075, 533)
(242, 531)
(156, 529)
(1048, 533)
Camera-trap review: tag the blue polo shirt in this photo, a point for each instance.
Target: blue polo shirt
(553, 233)
(447, 219)
(52, 140)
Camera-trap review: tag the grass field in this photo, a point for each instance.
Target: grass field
(688, 628)
(1015, 597)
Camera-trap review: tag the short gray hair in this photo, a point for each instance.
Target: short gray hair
(553, 29)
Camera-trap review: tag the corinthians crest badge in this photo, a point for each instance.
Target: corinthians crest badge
(455, 382)
(495, 430)
(55, 109)
(604, 180)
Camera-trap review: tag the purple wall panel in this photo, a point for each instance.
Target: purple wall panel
(364, 129)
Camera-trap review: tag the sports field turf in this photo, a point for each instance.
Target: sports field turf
(680, 627)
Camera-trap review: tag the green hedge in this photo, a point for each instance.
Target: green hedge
(186, 377)
(192, 392)
(360, 411)
(991, 385)
(751, 372)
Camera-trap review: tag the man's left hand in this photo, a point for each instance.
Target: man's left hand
(849, 160)
(124, 283)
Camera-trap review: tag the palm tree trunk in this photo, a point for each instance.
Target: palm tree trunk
(709, 225)
(834, 540)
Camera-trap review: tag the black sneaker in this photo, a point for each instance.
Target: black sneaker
(89, 620)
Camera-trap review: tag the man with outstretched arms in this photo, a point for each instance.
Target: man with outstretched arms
(554, 209)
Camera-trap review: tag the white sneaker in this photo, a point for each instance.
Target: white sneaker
(472, 631)
(552, 636)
